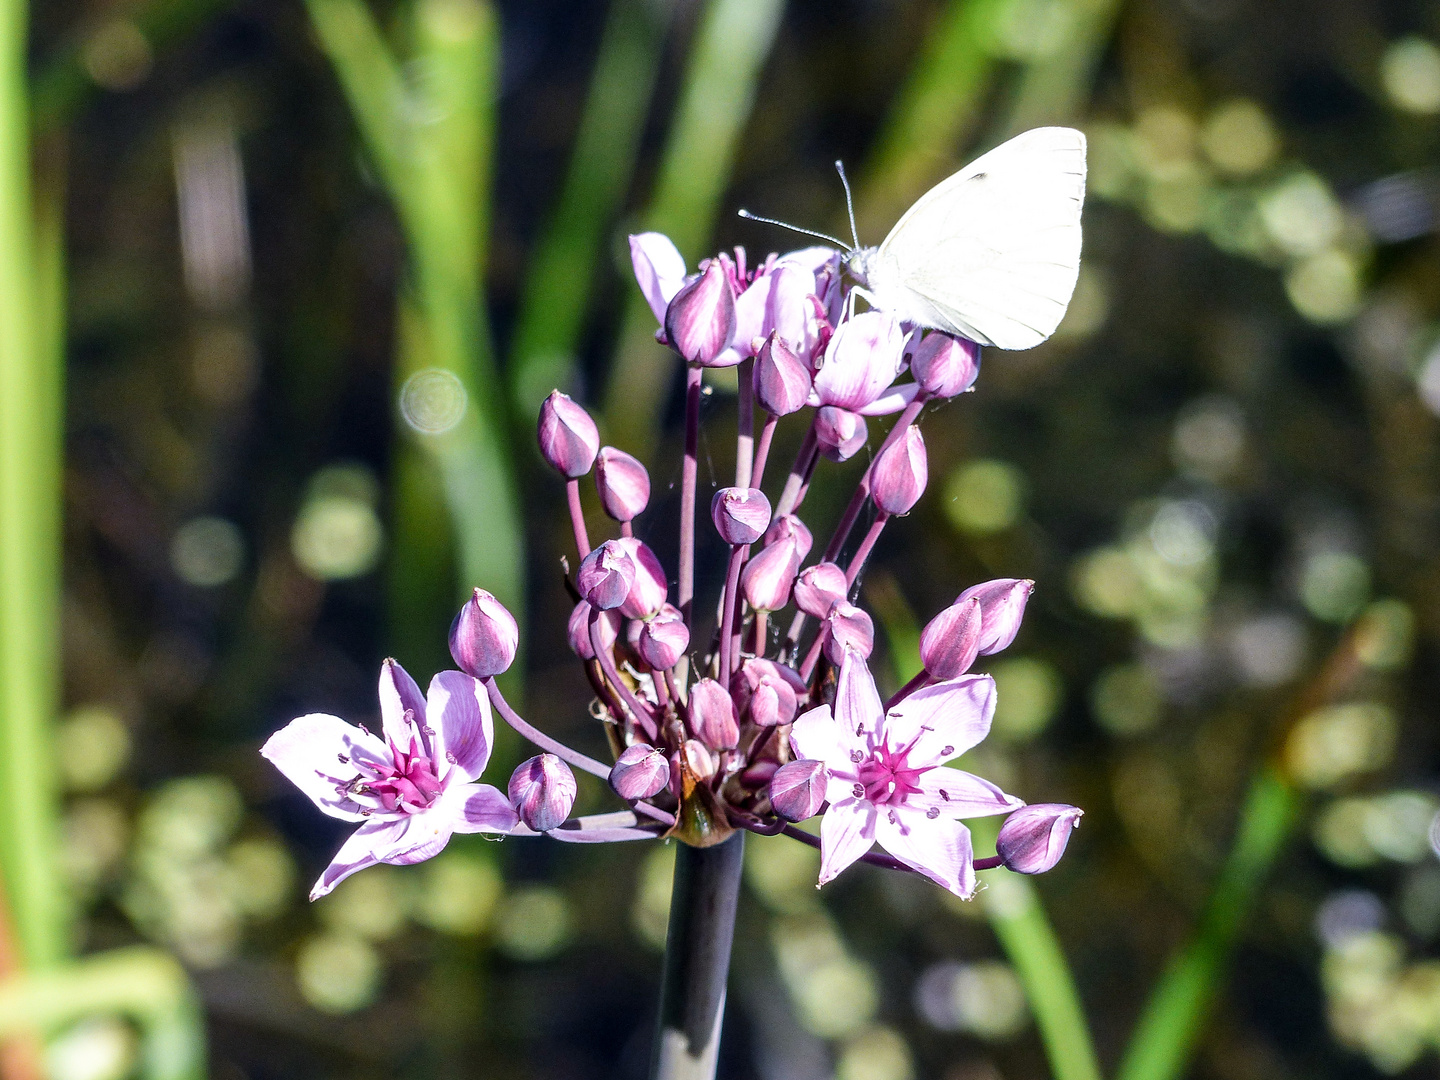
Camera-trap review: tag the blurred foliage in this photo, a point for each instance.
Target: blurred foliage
(1222, 473)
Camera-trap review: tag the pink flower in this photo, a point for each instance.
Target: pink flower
(861, 362)
(887, 779)
(411, 790)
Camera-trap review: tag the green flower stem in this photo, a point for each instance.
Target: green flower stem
(731, 45)
(552, 312)
(143, 984)
(31, 424)
(1165, 1038)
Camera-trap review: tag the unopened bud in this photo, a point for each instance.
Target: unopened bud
(664, 639)
(578, 630)
(1002, 606)
(945, 366)
(788, 525)
(650, 590)
(712, 715)
(606, 576)
(766, 692)
(640, 772)
(741, 515)
(623, 483)
(797, 790)
(1034, 837)
(484, 637)
(839, 433)
(951, 640)
(542, 791)
(696, 757)
(898, 477)
(569, 439)
(818, 587)
(765, 581)
(848, 629)
(782, 381)
(700, 321)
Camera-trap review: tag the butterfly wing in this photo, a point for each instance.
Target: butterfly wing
(992, 253)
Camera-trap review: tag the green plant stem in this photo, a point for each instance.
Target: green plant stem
(143, 984)
(31, 389)
(1165, 1038)
(557, 289)
(731, 45)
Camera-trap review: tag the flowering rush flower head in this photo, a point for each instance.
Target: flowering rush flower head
(409, 791)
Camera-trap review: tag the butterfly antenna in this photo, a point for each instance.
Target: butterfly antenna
(793, 228)
(849, 204)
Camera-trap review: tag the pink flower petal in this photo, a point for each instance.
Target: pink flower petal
(891, 402)
(815, 735)
(366, 846)
(459, 713)
(309, 752)
(398, 693)
(958, 794)
(939, 848)
(472, 808)
(846, 832)
(857, 702)
(659, 270)
(946, 718)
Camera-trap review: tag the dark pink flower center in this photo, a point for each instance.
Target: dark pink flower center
(408, 783)
(886, 776)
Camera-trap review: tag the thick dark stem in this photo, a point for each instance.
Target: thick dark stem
(697, 959)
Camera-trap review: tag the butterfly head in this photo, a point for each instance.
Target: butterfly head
(858, 261)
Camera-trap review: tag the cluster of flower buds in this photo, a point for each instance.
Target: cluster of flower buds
(752, 721)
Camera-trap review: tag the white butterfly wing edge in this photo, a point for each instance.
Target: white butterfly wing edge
(992, 252)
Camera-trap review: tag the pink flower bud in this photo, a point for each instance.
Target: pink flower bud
(765, 581)
(569, 439)
(698, 758)
(740, 514)
(861, 361)
(484, 637)
(788, 525)
(1002, 606)
(542, 791)
(647, 596)
(818, 587)
(578, 631)
(945, 366)
(848, 629)
(897, 479)
(640, 772)
(1034, 837)
(623, 483)
(839, 433)
(951, 640)
(606, 576)
(782, 381)
(797, 790)
(700, 321)
(664, 639)
(712, 715)
(766, 692)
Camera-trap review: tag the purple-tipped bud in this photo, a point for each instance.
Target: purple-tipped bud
(945, 366)
(650, 590)
(695, 756)
(951, 640)
(484, 637)
(782, 381)
(741, 515)
(818, 587)
(700, 321)
(640, 771)
(606, 576)
(765, 581)
(839, 433)
(788, 525)
(664, 639)
(569, 439)
(578, 630)
(1002, 606)
(712, 715)
(542, 791)
(797, 790)
(848, 629)
(1034, 837)
(766, 692)
(623, 483)
(898, 477)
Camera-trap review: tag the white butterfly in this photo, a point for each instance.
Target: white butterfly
(993, 252)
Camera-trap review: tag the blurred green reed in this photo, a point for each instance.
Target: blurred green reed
(726, 58)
